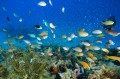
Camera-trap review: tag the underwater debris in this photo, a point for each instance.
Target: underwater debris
(79, 54)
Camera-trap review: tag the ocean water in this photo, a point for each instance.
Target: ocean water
(78, 14)
(17, 22)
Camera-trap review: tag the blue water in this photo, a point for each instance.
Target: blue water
(78, 14)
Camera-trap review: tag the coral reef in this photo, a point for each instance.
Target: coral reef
(25, 64)
(52, 62)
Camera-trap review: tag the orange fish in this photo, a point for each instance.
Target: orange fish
(85, 65)
(44, 33)
(55, 69)
(112, 32)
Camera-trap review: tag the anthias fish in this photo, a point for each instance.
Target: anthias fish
(112, 32)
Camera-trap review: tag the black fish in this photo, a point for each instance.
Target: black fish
(109, 27)
(8, 19)
(116, 62)
(37, 26)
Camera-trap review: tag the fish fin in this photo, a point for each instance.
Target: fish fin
(107, 27)
(118, 33)
(112, 18)
(102, 23)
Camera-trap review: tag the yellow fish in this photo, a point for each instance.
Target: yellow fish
(90, 54)
(108, 22)
(83, 34)
(94, 58)
(85, 65)
(105, 50)
(114, 58)
(79, 54)
(100, 35)
(20, 37)
(44, 33)
(64, 36)
(89, 47)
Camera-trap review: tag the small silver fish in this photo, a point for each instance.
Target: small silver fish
(42, 3)
(63, 9)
